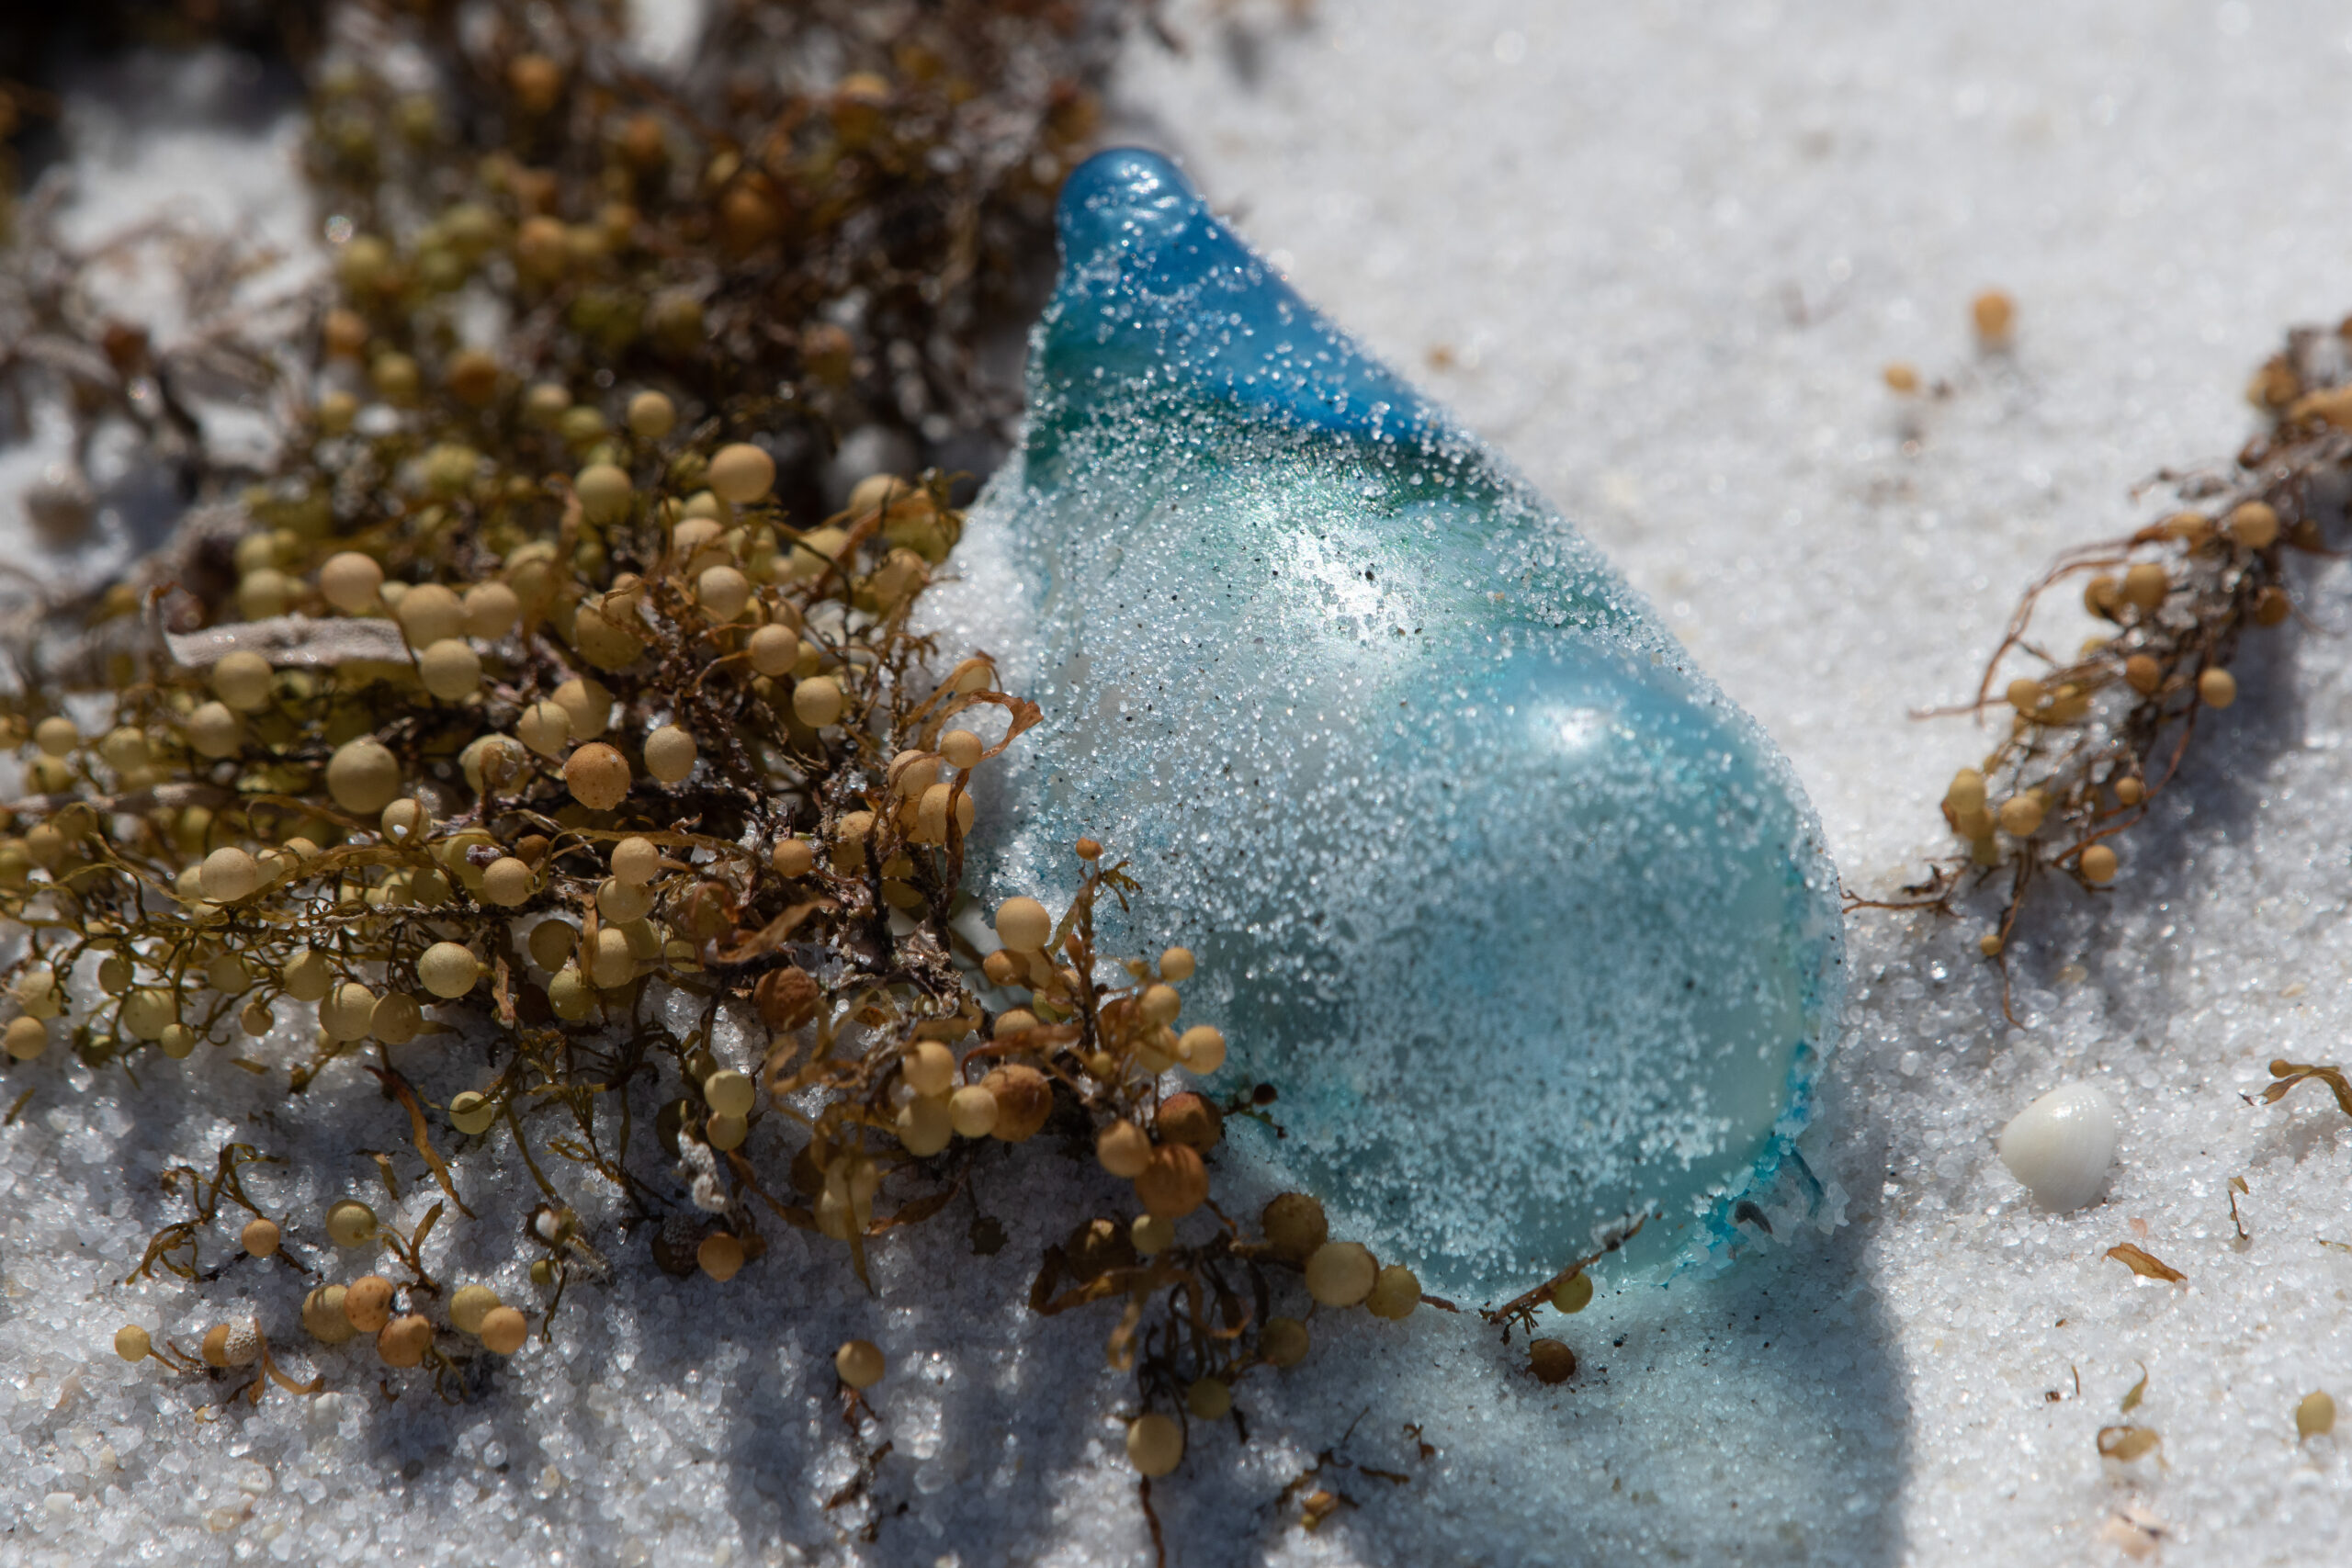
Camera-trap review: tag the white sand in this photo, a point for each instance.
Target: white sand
(1669, 249)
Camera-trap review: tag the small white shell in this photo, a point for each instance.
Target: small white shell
(2060, 1145)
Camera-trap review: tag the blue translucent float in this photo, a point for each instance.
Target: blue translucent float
(1530, 926)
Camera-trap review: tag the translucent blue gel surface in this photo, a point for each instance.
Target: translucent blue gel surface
(1528, 924)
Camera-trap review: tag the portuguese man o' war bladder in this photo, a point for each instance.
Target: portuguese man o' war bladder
(1529, 925)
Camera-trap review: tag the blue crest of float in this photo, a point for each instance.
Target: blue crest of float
(1528, 924)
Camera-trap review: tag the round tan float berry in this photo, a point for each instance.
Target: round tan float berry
(1551, 1361)
(2146, 586)
(637, 861)
(350, 581)
(1282, 1342)
(929, 1069)
(589, 705)
(405, 821)
(1341, 1273)
(2217, 688)
(2021, 815)
(1155, 1444)
(132, 1343)
(403, 1341)
(214, 730)
(367, 1302)
(721, 1256)
(1123, 1150)
(816, 701)
(351, 1224)
(728, 1092)
(925, 1125)
(363, 776)
(536, 81)
(1201, 1048)
(741, 473)
(1209, 1399)
(147, 1011)
(670, 754)
(1151, 1235)
(545, 402)
(450, 670)
(932, 814)
(242, 678)
(1995, 315)
(1574, 1294)
(611, 964)
(972, 1111)
(25, 1038)
(724, 592)
(492, 610)
(2255, 524)
(604, 491)
(38, 993)
(1174, 1183)
(597, 776)
(347, 1012)
(552, 942)
(229, 873)
(773, 650)
(544, 728)
(470, 1305)
(397, 1019)
(322, 1315)
(471, 1113)
(621, 902)
(307, 976)
(56, 736)
(1022, 925)
(506, 881)
(859, 1363)
(1192, 1121)
(260, 1238)
(491, 762)
(651, 416)
(1295, 1225)
(961, 748)
(429, 613)
(1395, 1292)
(448, 969)
(2098, 863)
(345, 332)
(503, 1329)
(1024, 1100)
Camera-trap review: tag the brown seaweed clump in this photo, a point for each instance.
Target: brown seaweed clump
(2094, 737)
(558, 668)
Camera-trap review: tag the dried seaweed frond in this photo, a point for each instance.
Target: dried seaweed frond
(2094, 737)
